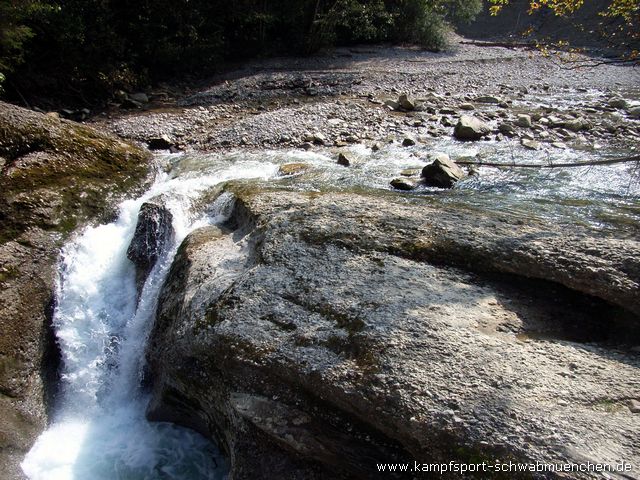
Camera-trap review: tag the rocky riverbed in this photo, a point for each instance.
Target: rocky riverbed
(319, 333)
(351, 97)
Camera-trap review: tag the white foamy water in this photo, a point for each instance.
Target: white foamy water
(99, 430)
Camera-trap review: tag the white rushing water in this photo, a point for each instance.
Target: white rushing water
(99, 430)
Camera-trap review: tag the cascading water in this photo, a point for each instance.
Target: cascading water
(99, 430)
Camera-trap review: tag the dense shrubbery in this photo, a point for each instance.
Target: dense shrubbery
(96, 46)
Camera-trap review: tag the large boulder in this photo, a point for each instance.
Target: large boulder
(443, 172)
(153, 233)
(470, 128)
(57, 175)
(332, 332)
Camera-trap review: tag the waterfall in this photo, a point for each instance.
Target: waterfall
(99, 430)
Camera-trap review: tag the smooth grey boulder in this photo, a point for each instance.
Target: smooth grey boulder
(577, 124)
(470, 128)
(524, 121)
(618, 103)
(139, 97)
(331, 331)
(488, 99)
(443, 172)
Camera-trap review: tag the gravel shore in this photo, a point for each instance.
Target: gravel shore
(348, 97)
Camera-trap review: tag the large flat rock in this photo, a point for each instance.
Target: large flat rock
(331, 332)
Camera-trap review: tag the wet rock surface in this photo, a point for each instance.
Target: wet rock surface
(57, 175)
(377, 327)
(328, 332)
(153, 231)
(443, 172)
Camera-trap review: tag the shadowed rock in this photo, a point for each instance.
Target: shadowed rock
(443, 172)
(153, 232)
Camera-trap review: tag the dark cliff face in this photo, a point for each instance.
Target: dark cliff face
(55, 176)
(334, 331)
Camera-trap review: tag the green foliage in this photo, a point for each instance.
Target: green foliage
(13, 33)
(426, 21)
(98, 46)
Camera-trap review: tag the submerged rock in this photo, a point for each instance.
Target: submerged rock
(319, 353)
(404, 183)
(530, 144)
(290, 169)
(470, 128)
(410, 172)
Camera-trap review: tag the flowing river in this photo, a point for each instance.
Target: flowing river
(99, 431)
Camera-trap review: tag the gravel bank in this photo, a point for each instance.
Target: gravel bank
(339, 98)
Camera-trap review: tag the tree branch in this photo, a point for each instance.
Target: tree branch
(526, 45)
(610, 161)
